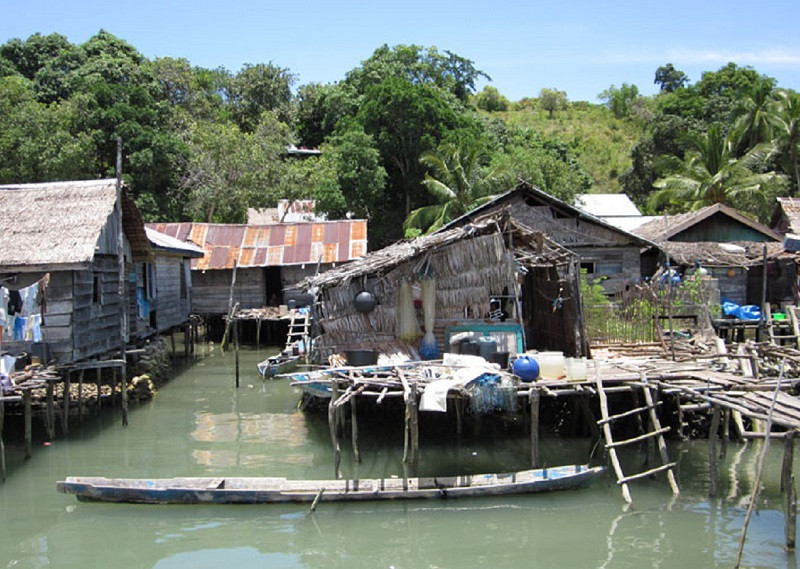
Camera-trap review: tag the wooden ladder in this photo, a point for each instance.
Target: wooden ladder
(657, 432)
(298, 328)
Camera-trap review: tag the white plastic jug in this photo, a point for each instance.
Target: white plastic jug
(551, 365)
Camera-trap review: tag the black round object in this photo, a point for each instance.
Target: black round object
(364, 301)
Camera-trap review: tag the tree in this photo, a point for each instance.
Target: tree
(490, 99)
(229, 170)
(710, 174)
(259, 88)
(320, 107)
(405, 120)
(788, 135)
(620, 100)
(457, 181)
(359, 178)
(447, 71)
(670, 79)
(758, 115)
(552, 100)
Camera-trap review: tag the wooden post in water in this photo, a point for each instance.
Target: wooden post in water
(51, 414)
(726, 432)
(713, 458)
(27, 412)
(236, 347)
(65, 408)
(121, 287)
(788, 459)
(2, 445)
(791, 514)
(333, 427)
(414, 430)
(80, 396)
(354, 428)
(533, 401)
(98, 378)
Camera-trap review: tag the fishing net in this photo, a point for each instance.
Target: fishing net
(490, 393)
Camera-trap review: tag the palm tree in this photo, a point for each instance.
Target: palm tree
(759, 115)
(711, 174)
(456, 182)
(788, 135)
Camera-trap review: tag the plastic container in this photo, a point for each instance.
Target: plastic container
(576, 368)
(526, 367)
(470, 346)
(486, 346)
(551, 365)
(361, 357)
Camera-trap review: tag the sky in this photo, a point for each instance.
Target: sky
(580, 47)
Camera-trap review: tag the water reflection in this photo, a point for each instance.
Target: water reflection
(200, 425)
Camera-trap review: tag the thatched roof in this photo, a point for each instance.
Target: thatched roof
(666, 227)
(533, 247)
(709, 254)
(786, 216)
(57, 225)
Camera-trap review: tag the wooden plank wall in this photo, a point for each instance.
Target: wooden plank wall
(211, 290)
(629, 256)
(95, 325)
(57, 320)
(172, 306)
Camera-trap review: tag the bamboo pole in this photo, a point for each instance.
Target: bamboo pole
(51, 419)
(121, 285)
(757, 482)
(236, 348)
(612, 452)
(80, 396)
(533, 400)
(98, 377)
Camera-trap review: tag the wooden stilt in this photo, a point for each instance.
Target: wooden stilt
(123, 382)
(51, 418)
(65, 408)
(186, 341)
(236, 348)
(533, 401)
(713, 458)
(354, 428)
(332, 426)
(2, 444)
(788, 459)
(172, 340)
(414, 430)
(726, 432)
(28, 419)
(458, 403)
(98, 377)
(791, 514)
(80, 396)
(681, 430)
(258, 332)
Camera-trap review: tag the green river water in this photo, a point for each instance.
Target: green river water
(199, 424)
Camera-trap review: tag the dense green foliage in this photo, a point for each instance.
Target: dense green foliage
(402, 132)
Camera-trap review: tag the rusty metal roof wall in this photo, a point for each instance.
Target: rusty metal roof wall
(271, 245)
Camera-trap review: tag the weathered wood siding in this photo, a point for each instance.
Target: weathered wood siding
(617, 266)
(211, 290)
(58, 318)
(96, 321)
(173, 292)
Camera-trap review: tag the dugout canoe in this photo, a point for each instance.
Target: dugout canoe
(233, 490)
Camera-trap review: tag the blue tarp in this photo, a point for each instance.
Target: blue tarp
(747, 312)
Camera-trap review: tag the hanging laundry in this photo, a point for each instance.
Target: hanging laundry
(19, 328)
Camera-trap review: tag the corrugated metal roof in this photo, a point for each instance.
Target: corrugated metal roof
(271, 245)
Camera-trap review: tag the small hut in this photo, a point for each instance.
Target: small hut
(64, 236)
(492, 278)
(733, 248)
(163, 288)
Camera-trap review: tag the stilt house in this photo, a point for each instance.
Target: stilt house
(605, 251)
(732, 247)
(490, 278)
(64, 236)
(267, 258)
